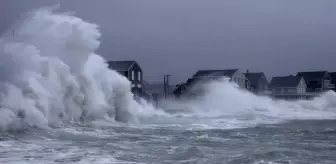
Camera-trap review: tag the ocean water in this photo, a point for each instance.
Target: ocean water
(293, 142)
(59, 103)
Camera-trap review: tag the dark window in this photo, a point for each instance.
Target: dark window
(313, 82)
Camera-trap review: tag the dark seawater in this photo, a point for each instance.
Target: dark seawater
(301, 142)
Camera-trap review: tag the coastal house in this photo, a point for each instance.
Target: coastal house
(317, 81)
(288, 87)
(258, 82)
(202, 76)
(132, 71)
(180, 90)
(234, 74)
(333, 80)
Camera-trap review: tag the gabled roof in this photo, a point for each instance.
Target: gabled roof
(312, 75)
(178, 88)
(191, 81)
(285, 81)
(206, 73)
(120, 65)
(255, 77)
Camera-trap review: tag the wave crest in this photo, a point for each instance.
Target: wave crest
(51, 75)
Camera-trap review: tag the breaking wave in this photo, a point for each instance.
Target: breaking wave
(50, 75)
(234, 106)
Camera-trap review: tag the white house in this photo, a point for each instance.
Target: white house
(288, 87)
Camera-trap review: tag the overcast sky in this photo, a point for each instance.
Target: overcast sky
(179, 37)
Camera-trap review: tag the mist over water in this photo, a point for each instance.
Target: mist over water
(52, 79)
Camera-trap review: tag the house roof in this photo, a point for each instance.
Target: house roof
(191, 81)
(178, 87)
(120, 65)
(254, 77)
(312, 75)
(285, 81)
(206, 73)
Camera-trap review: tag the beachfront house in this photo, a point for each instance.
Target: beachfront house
(258, 82)
(202, 76)
(180, 90)
(288, 87)
(333, 80)
(132, 71)
(234, 74)
(317, 81)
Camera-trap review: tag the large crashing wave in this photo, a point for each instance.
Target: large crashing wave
(49, 74)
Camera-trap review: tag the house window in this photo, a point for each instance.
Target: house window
(139, 85)
(302, 90)
(132, 85)
(139, 76)
(132, 75)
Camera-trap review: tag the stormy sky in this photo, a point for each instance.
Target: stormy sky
(178, 37)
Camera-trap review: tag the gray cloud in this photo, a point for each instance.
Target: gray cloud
(179, 37)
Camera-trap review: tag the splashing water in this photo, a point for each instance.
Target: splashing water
(225, 103)
(50, 75)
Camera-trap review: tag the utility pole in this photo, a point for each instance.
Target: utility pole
(166, 85)
(246, 80)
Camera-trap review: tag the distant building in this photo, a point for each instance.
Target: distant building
(333, 80)
(288, 87)
(187, 89)
(132, 71)
(234, 74)
(317, 81)
(258, 82)
(180, 90)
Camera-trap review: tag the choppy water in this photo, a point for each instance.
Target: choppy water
(293, 142)
(59, 103)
